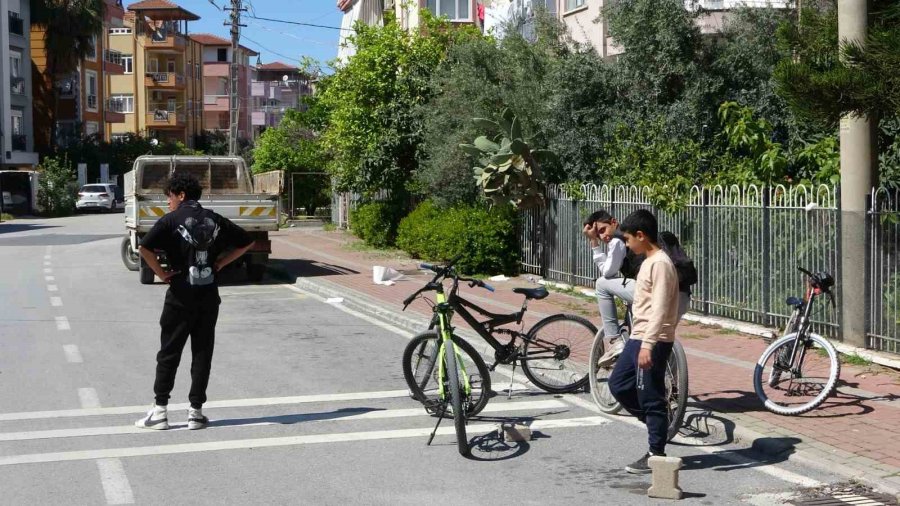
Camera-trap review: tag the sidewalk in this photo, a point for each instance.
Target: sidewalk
(855, 433)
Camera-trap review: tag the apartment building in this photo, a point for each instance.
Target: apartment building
(277, 88)
(216, 61)
(76, 105)
(160, 92)
(16, 118)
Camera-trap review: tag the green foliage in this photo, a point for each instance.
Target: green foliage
(69, 29)
(485, 239)
(56, 191)
(119, 154)
(509, 171)
(750, 148)
(376, 223)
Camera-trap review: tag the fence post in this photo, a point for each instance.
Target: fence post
(705, 251)
(543, 239)
(573, 254)
(766, 258)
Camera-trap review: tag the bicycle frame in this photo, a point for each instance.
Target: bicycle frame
(801, 328)
(443, 310)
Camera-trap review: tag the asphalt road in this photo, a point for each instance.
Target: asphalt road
(307, 400)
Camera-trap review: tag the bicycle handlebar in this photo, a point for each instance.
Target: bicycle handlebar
(444, 271)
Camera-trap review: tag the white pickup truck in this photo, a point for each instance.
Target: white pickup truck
(227, 190)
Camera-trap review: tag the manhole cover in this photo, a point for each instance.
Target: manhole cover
(845, 498)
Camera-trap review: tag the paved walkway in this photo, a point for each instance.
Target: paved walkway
(856, 432)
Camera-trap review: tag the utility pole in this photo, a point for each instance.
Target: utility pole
(235, 78)
(858, 176)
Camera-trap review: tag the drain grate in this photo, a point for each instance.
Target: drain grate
(856, 499)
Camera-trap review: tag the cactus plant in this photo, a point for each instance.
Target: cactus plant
(508, 169)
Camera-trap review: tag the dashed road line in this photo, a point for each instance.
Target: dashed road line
(52, 288)
(48, 270)
(88, 398)
(73, 356)
(62, 323)
(56, 301)
(49, 278)
(115, 483)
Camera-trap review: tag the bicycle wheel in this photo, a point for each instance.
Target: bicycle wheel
(421, 372)
(805, 383)
(598, 377)
(676, 388)
(455, 392)
(557, 351)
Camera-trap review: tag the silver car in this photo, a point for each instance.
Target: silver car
(102, 197)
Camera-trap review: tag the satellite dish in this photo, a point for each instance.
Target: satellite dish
(284, 78)
(154, 142)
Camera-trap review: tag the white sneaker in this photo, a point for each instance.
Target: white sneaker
(196, 420)
(615, 349)
(157, 418)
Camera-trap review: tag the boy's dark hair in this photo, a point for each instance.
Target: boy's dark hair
(602, 216)
(183, 182)
(641, 220)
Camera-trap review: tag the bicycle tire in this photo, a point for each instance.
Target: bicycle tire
(418, 380)
(456, 398)
(571, 371)
(598, 378)
(830, 385)
(676, 388)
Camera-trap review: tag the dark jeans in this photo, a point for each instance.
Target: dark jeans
(177, 324)
(642, 392)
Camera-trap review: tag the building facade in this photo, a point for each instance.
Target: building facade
(216, 60)
(17, 148)
(277, 88)
(160, 92)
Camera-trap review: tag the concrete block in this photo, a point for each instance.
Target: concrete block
(514, 432)
(665, 478)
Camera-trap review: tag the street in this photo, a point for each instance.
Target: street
(307, 402)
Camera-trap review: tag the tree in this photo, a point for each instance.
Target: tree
(56, 195)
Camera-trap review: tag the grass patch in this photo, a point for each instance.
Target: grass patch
(728, 332)
(362, 247)
(7, 217)
(854, 359)
(329, 227)
(691, 335)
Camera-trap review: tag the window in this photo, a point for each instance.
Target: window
(453, 9)
(197, 70)
(16, 25)
(15, 63)
(171, 105)
(91, 128)
(18, 125)
(574, 4)
(170, 66)
(222, 54)
(120, 31)
(153, 65)
(118, 137)
(92, 49)
(122, 103)
(90, 79)
(128, 63)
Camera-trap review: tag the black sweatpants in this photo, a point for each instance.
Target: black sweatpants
(177, 324)
(642, 392)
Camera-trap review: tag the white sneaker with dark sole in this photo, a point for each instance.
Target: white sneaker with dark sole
(157, 419)
(196, 420)
(612, 354)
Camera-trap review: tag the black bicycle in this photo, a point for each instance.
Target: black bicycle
(553, 353)
(788, 378)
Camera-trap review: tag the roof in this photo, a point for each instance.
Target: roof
(277, 66)
(163, 10)
(208, 39)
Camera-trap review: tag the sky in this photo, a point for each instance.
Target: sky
(274, 41)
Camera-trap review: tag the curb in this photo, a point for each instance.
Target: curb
(760, 442)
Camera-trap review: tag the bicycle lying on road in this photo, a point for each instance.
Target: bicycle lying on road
(788, 379)
(552, 353)
(600, 370)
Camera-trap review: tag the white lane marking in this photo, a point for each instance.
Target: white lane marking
(48, 271)
(73, 356)
(49, 278)
(499, 407)
(47, 263)
(240, 444)
(62, 323)
(89, 398)
(115, 482)
(47, 256)
(52, 288)
(56, 301)
(234, 403)
(768, 469)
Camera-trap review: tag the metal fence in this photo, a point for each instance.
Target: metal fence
(884, 271)
(747, 243)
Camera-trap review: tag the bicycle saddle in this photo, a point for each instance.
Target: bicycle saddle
(532, 293)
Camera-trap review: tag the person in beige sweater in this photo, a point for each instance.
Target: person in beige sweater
(638, 378)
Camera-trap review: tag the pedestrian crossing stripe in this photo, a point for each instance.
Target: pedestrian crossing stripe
(146, 212)
(257, 211)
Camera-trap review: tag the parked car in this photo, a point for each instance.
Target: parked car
(102, 197)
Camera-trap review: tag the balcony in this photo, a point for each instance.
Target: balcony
(115, 111)
(91, 102)
(161, 118)
(169, 80)
(164, 39)
(16, 24)
(215, 103)
(19, 142)
(17, 85)
(113, 62)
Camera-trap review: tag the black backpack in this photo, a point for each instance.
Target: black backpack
(200, 236)
(684, 266)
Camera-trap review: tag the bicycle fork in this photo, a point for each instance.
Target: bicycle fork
(466, 387)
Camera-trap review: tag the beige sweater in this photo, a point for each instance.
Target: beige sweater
(655, 308)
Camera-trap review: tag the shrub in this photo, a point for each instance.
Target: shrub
(56, 196)
(485, 239)
(376, 223)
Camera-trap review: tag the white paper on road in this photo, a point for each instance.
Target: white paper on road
(499, 277)
(334, 300)
(382, 275)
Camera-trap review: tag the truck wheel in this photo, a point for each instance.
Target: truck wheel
(147, 275)
(130, 257)
(256, 269)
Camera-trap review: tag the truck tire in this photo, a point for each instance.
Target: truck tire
(130, 257)
(147, 276)
(256, 268)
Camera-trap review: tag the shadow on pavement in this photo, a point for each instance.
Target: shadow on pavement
(288, 270)
(491, 447)
(764, 451)
(292, 419)
(9, 227)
